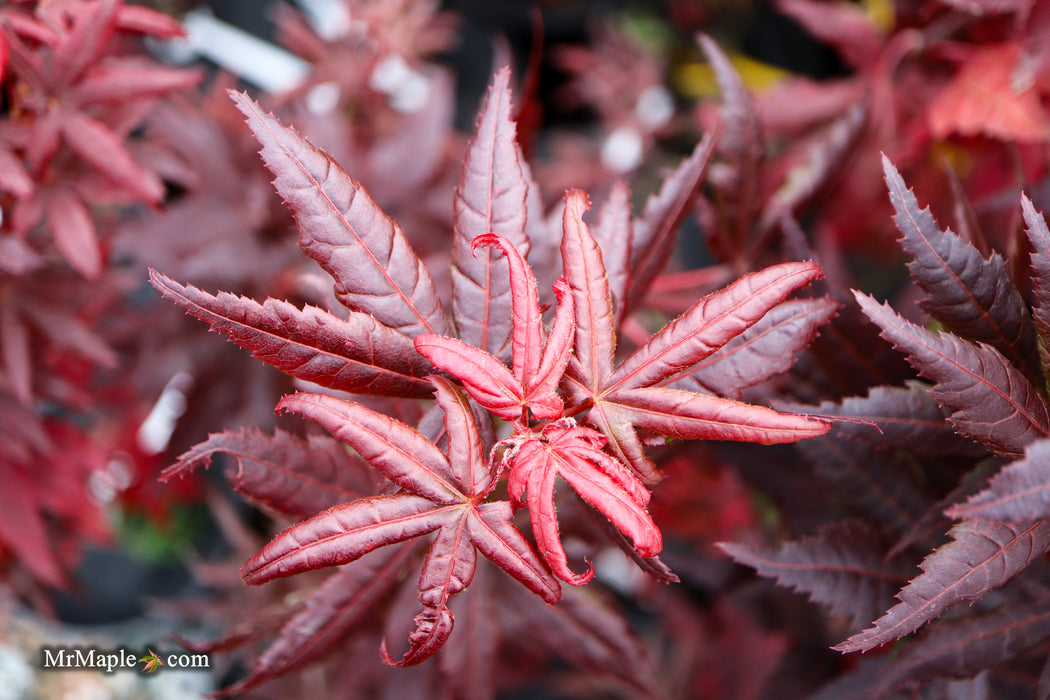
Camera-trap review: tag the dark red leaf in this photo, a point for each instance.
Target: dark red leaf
(339, 604)
(972, 296)
(285, 472)
(766, 349)
(358, 354)
(982, 556)
(345, 533)
(655, 233)
(963, 648)
(585, 271)
(711, 323)
(904, 418)
(1021, 491)
(692, 416)
(125, 79)
(100, 146)
(990, 400)
(842, 566)
(1039, 238)
(397, 451)
(447, 570)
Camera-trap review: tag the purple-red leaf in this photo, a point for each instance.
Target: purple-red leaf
(466, 454)
(963, 648)
(358, 355)
(711, 323)
(74, 232)
(983, 556)
(525, 309)
(287, 473)
(447, 570)
(490, 199)
(614, 233)
(655, 233)
(766, 349)
(495, 536)
(841, 566)
(575, 454)
(342, 228)
(972, 296)
(397, 451)
(1021, 491)
(905, 418)
(991, 401)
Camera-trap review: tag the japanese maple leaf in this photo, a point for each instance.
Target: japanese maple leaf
(532, 382)
(442, 493)
(639, 392)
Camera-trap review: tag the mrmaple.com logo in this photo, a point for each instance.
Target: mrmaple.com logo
(108, 661)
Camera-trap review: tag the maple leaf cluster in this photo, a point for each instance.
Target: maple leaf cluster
(566, 409)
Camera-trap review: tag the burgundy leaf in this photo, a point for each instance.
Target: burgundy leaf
(962, 648)
(397, 451)
(687, 415)
(91, 33)
(24, 532)
(711, 323)
(1021, 491)
(972, 296)
(144, 20)
(842, 566)
(285, 472)
(339, 604)
(358, 355)
(844, 27)
(877, 483)
(345, 533)
(589, 634)
(983, 556)
(490, 199)
(904, 418)
(537, 367)
(342, 228)
(586, 274)
(742, 145)
(654, 234)
(15, 350)
(990, 400)
(766, 349)
(541, 388)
